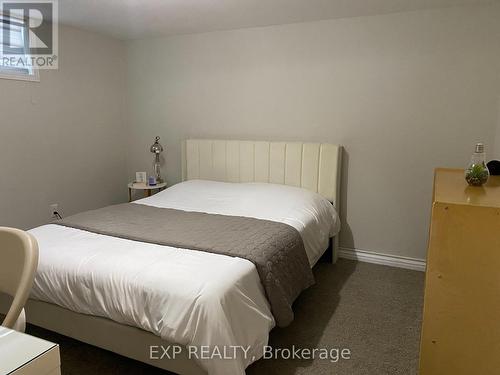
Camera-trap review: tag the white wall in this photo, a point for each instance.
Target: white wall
(62, 139)
(496, 152)
(404, 93)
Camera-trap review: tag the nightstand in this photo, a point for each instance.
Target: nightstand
(148, 190)
(22, 354)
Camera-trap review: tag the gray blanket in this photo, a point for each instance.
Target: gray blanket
(276, 249)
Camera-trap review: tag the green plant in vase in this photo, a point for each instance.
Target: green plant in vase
(477, 175)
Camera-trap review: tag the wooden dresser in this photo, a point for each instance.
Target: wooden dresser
(461, 319)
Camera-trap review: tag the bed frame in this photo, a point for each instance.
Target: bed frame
(312, 166)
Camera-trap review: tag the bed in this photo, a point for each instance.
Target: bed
(129, 296)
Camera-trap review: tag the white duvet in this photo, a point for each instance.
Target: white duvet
(187, 297)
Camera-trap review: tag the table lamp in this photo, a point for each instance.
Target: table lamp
(157, 149)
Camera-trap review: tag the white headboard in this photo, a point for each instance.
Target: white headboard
(312, 166)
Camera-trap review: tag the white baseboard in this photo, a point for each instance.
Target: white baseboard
(385, 259)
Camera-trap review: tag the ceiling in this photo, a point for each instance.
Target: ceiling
(136, 19)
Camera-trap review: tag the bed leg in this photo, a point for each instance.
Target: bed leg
(334, 249)
(331, 254)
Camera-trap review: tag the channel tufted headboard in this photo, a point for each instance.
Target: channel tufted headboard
(312, 166)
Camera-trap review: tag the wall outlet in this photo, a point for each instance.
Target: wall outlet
(53, 208)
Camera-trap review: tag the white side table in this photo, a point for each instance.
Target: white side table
(22, 354)
(148, 190)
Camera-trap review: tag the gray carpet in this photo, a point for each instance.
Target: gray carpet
(375, 311)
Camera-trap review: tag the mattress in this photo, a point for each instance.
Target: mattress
(189, 297)
(312, 215)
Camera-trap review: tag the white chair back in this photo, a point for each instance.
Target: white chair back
(18, 264)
